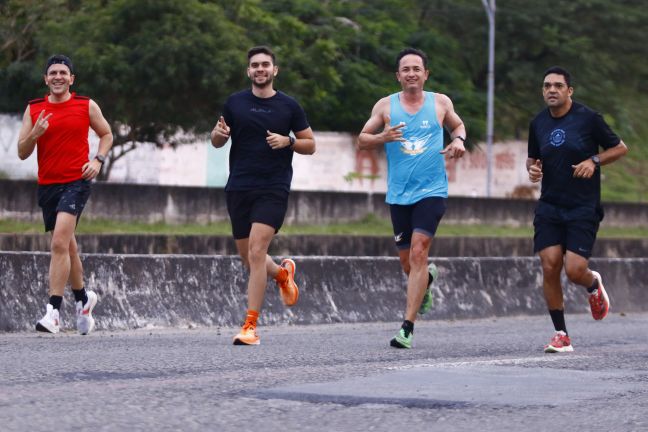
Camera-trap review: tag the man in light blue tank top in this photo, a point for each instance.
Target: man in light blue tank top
(409, 124)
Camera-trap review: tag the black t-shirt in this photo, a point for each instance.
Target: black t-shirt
(565, 141)
(253, 163)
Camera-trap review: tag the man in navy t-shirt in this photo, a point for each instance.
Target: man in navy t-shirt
(564, 143)
(259, 122)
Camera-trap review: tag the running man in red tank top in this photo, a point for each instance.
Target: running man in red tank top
(57, 126)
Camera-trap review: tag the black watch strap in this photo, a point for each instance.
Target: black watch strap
(596, 160)
(100, 158)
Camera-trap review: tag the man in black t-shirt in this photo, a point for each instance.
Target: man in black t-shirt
(564, 142)
(259, 122)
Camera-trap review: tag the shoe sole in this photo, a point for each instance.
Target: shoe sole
(41, 328)
(291, 276)
(597, 275)
(397, 344)
(554, 350)
(240, 342)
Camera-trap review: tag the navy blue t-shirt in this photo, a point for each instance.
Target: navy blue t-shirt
(565, 141)
(253, 163)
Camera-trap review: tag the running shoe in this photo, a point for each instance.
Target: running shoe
(286, 282)
(559, 343)
(51, 322)
(426, 304)
(402, 339)
(85, 321)
(247, 335)
(599, 300)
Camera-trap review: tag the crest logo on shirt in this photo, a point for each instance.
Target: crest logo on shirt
(414, 145)
(425, 124)
(557, 137)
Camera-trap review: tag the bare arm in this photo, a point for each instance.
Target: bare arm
(304, 141)
(369, 137)
(101, 127)
(220, 134)
(455, 125)
(587, 168)
(614, 153)
(29, 132)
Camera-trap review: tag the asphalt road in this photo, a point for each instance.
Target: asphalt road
(486, 375)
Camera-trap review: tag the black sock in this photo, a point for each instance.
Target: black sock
(80, 295)
(56, 301)
(408, 326)
(593, 287)
(558, 319)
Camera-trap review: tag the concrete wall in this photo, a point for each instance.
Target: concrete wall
(324, 245)
(173, 290)
(173, 204)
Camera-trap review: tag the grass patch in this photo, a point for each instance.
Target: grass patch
(370, 225)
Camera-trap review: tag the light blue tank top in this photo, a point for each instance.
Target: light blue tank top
(415, 168)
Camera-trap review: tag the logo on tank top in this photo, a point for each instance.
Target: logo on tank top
(414, 145)
(557, 137)
(425, 124)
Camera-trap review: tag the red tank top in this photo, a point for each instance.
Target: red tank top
(63, 148)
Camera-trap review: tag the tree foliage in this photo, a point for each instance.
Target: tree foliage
(160, 66)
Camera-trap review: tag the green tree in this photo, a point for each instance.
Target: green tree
(19, 75)
(156, 67)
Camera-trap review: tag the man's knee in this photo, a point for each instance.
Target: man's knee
(551, 264)
(256, 253)
(575, 271)
(60, 245)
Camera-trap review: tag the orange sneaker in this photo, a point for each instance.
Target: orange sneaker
(286, 281)
(247, 335)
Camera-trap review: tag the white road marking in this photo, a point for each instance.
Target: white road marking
(509, 361)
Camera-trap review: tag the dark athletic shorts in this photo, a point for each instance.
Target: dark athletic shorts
(574, 229)
(423, 216)
(62, 197)
(263, 206)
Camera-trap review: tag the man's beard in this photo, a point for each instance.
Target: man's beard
(263, 85)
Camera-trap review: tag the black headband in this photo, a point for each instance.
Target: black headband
(59, 59)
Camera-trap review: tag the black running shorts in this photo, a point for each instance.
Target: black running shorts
(62, 197)
(574, 229)
(262, 206)
(423, 216)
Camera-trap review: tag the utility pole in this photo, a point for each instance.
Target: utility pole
(489, 5)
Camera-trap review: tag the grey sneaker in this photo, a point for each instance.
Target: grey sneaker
(426, 304)
(85, 321)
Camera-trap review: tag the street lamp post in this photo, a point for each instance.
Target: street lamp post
(489, 5)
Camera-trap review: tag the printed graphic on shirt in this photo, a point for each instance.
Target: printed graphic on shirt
(557, 137)
(415, 145)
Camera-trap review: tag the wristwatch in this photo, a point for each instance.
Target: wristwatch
(459, 137)
(292, 141)
(596, 160)
(100, 158)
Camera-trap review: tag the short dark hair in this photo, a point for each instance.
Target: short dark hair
(59, 59)
(559, 71)
(261, 49)
(414, 51)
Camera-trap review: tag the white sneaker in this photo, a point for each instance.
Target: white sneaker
(85, 321)
(50, 323)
